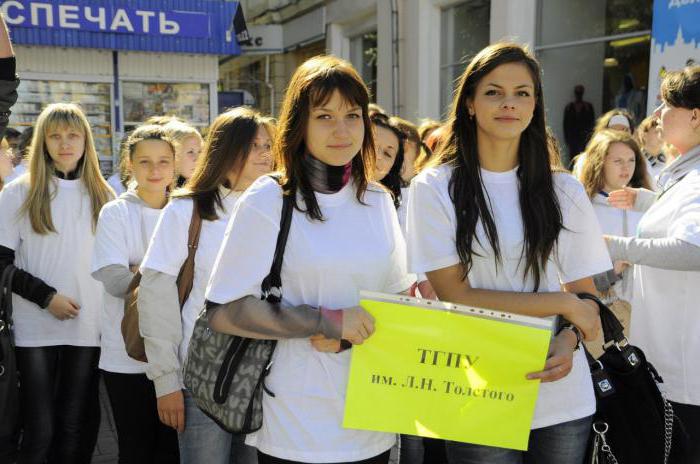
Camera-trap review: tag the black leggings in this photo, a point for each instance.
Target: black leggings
(60, 405)
(379, 459)
(143, 438)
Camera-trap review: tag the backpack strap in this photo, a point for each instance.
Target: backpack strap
(185, 277)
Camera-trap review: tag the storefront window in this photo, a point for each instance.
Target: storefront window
(363, 55)
(94, 98)
(465, 30)
(603, 46)
(572, 20)
(142, 100)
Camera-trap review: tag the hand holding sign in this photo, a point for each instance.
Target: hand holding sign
(358, 325)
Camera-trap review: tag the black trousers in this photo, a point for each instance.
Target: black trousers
(690, 417)
(143, 438)
(60, 405)
(380, 459)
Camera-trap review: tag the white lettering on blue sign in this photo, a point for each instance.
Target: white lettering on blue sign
(145, 19)
(66, 14)
(167, 26)
(48, 13)
(117, 17)
(100, 19)
(121, 19)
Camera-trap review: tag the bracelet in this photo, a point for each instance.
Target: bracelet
(576, 331)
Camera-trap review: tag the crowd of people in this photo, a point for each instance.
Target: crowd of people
(476, 210)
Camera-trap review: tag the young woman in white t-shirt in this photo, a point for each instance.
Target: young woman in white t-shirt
(614, 161)
(188, 146)
(237, 152)
(494, 227)
(344, 237)
(123, 232)
(666, 255)
(47, 228)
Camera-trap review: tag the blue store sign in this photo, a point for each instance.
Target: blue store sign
(182, 26)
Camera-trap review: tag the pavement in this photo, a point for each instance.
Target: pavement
(106, 451)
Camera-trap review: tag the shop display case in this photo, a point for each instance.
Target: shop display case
(94, 98)
(141, 100)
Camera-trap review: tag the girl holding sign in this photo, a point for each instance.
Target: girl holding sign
(344, 237)
(494, 226)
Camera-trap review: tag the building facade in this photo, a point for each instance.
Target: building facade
(410, 52)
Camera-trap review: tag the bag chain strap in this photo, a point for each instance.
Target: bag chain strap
(605, 448)
(668, 428)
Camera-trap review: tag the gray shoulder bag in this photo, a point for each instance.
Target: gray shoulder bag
(225, 374)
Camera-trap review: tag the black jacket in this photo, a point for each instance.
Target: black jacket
(8, 90)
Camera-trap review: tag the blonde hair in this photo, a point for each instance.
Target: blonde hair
(593, 170)
(37, 205)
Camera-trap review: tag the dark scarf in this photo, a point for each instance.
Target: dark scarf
(74, 174)
(325, 178)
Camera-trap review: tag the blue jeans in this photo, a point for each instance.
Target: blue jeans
(203, 441)
(558, 444)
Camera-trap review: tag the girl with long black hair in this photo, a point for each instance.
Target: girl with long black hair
(494, 226)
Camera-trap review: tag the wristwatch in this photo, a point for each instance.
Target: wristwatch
(576, 331)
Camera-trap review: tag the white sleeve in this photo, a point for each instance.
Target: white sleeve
(580, 251)
(10, 204)
(686, 225)
(430, 233)
(245, 255)
(167, 250)
(111, 245)
(398, 278)
(160, 325)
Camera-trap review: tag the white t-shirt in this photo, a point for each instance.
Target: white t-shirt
(357, 247)
(402, 210)
(580, 252)
(61, 259)
(665, 320)
(654, 171)
(115, 182)
(123, 232)
(168, 251)
(621, 223)
(17, 172)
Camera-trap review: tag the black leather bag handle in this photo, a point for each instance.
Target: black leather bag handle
(613, 330)
(6, 293)
(272, 284)
(6, 306)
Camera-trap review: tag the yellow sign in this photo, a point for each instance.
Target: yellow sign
(446, 371)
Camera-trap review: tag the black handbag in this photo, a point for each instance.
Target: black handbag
(633, 423)
(225, 374)
(9, 379)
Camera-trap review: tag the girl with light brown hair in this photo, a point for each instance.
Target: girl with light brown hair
(47, 229)
(236, 153)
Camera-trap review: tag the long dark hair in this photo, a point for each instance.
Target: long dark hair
(392, 180)
(226, 148)
(313, 84)
(540, 210)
